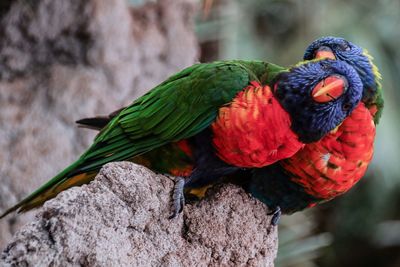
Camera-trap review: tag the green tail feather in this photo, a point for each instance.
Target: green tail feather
(26, 203)
(96, 123)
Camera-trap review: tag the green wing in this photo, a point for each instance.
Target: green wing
(179, 108)
(182, 106)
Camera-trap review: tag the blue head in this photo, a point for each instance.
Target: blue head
(318, 96)
(358, 58)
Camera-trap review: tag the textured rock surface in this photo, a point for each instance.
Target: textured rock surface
(64, 60)
(120, 219)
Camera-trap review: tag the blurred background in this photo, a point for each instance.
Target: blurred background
(60, 62)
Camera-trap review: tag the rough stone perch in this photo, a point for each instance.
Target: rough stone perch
(63, 60)
(121, 219)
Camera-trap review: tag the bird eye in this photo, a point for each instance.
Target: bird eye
(329, 89)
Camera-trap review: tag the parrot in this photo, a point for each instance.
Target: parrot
(226, 112)
(325, 169)
(335, 48)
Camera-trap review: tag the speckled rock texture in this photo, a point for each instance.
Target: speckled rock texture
(121, 219)
(64, 60)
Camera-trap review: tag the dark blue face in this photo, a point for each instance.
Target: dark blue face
(353, 55)
(314, 116)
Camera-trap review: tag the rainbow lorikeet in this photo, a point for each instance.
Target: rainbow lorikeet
(325, 169)
(230, 122)
(351, 160)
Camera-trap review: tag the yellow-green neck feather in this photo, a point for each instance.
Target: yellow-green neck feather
(378, 100)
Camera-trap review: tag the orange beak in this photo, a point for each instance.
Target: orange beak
(329, 89)
(324, 52)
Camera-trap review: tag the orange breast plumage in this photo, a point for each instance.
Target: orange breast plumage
(333, 165)
(254, 129)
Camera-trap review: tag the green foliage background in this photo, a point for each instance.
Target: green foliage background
(361, 228)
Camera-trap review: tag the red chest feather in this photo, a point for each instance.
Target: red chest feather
(254, 130)
(334, 164)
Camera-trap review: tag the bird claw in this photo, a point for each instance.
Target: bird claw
(178, 198)
(276, 215)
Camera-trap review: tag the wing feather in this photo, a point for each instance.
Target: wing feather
(179, 108)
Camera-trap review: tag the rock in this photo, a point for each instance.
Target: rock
(64, 60)
(121, 219)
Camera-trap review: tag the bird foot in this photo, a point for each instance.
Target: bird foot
(178, 197)
(276, 215)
